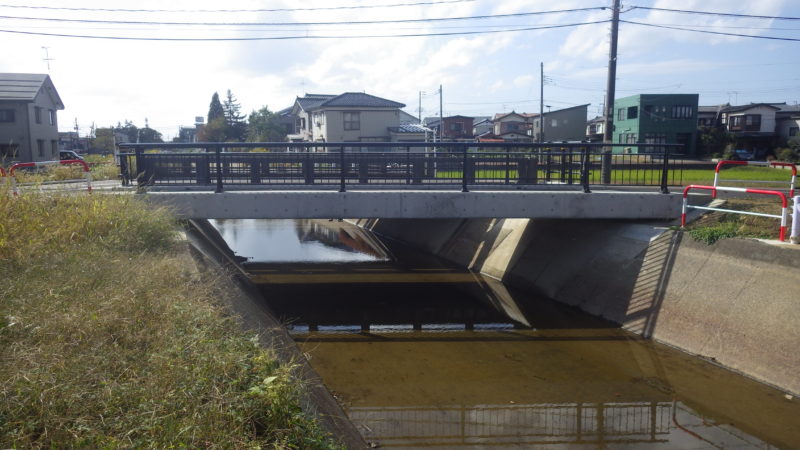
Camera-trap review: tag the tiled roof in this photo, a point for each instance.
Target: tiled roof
(409, 128)
(731, 109)
(360, 99)
(25, 86)
(311, 101)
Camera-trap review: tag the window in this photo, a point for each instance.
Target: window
(456, 126)
(682, 112)
(38, 114)
(630, 138)
(753, 121)
(8, 150)
(633, 112)
(52, 116)
(40, 147)
(554, 123)
(6, 115)
(54, 148)
(621, 114)
(352, 121)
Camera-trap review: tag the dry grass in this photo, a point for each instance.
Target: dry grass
(717, 225)
(109, 339)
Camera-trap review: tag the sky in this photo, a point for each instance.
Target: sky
(169, 83)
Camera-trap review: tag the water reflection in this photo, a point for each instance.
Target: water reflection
(421, 354)
(299, 240)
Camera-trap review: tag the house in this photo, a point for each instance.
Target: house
(351, 117)
(511, 122)
(568, 124)
(28, 117)
(757, 127)
(595, 129)
(656, 119)
(406, 118)
(301, 112)
(787, 121)
(410, 132)
(482, 125)
(457, 127)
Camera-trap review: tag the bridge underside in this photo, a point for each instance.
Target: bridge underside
(419, 204)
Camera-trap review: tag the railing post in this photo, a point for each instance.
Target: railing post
(124, 170)
(408, 165)
(665, 171)
(508, 164)
(218, 157)
(464, 171)
(308, 167)
(341, 169)
(255, 170)
(585, 171)
(141, 175)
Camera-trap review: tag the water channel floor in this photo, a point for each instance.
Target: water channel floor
(422, 354)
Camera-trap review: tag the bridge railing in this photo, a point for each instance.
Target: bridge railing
(415, 164)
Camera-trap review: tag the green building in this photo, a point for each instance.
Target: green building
(655, 119)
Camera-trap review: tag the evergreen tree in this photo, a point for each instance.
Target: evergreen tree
(263, 126)
(215, 109)
(237, 127)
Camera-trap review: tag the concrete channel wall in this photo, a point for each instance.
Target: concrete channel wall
(736, 302)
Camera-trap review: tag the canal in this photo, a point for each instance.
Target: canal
(421, 353)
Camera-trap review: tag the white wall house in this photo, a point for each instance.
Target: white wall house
(28, 117)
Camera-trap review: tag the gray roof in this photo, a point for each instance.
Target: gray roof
(311, 101)
(23, 87)
(409, 128)
(360, 99)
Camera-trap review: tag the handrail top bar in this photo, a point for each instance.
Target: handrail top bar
(178, 145)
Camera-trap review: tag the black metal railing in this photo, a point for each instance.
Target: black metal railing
(413, 164)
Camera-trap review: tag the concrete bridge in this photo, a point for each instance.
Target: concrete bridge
(404, 180)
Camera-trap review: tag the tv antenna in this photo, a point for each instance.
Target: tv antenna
(47, 57)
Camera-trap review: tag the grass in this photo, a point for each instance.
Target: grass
(717, 225)
(101, 168)
(108, 338)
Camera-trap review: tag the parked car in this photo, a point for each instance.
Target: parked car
(741, 154)
(68, 154)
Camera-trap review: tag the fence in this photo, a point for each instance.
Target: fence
(723, 163)
(414, 164)
(784, 205)
(87, 173)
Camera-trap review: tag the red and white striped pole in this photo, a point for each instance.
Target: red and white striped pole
(795, 234)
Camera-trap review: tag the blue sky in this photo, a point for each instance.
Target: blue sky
(104, 81)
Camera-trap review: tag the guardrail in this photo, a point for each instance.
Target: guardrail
(784, 205)
(756, 163)
(86, 171)
(358, 164)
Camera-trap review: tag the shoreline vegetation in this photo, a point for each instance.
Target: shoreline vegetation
(110, 338)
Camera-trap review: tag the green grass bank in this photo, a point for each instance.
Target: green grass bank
(110, 338)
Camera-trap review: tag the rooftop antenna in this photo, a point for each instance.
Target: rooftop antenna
(47, 57)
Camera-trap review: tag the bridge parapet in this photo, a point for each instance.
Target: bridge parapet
(444, 165)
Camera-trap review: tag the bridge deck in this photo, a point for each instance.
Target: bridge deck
(420, 204)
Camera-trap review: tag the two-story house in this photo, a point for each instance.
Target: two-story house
(301, 112)
(451, 128)
(28, 117)
(655, 119)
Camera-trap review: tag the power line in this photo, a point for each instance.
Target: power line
(323, 8)
(774, 38)
(282, 24)
(279, 38)
(714, 13)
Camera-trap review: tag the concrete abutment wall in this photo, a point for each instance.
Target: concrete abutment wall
(736, 302)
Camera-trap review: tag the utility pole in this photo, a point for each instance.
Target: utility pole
(608, 126)
(441, 114)
(541, 102)
(419, 110)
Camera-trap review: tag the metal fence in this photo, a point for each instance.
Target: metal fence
(414, 164)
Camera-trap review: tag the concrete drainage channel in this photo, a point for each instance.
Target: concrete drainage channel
(213, 254)
(734, 302)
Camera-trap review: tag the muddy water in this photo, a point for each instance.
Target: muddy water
(422, 354)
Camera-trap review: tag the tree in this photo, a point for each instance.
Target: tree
(214, 131)
(263, 126)
(713, 140)
(215, 109)
(237, 127)
(103, 139)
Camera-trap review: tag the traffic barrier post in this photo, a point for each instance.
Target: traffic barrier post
(784, 204)
(726, 162)
(795, 234)
(87, 173)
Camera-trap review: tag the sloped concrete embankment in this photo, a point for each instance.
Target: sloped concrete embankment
(212, 254)
(736, 302)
